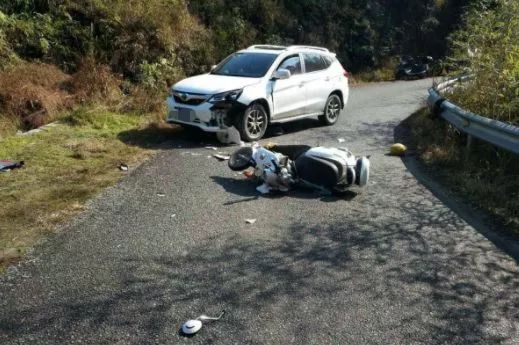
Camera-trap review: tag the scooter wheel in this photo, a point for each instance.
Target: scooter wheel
(362, 171)
(241, 159)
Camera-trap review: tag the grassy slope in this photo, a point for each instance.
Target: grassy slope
(65, 166)
(487, 177)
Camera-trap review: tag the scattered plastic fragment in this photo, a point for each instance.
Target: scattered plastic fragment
(341, 140)
(250, 221)
(173, 215)
(161, 194)
(190, 153)
(123, 167)
(221, 157)
(214, 148)
(229, 136)
(249, 173)
(9, 165)
(192, 327)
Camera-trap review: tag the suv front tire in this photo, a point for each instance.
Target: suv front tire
(252, 124)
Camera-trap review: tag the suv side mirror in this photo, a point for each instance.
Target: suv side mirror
(281, 74)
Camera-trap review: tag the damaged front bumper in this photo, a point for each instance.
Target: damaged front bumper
(207, 116)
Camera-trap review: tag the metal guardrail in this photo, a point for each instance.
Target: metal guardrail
(494, 132)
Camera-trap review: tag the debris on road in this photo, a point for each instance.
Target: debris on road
(249, 173)
(123, 167)
(9, 165)
(221, 157)
(214, 148)
(161, 194)
(192, 327)
(341, 140)
(250, 221)
(230, 136)
(188, 153)
(173, 215)
(397, 149)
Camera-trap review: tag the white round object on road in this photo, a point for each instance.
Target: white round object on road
(191, 326)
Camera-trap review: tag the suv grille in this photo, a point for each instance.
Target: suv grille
(189, 98)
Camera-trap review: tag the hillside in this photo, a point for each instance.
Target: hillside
(57, 54)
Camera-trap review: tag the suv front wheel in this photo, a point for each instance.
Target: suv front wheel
(252, 124)
(332, 110)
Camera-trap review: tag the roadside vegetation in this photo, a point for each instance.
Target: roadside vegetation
(488, 48)
(53, 49)
(66, 165)
(486, 176)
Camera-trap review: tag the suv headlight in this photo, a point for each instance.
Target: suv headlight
(226, 96)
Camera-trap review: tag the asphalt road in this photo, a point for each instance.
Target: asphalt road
(392, 265)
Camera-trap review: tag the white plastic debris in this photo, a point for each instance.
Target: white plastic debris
(190, 153)
(229, 136)
(191, 327)
(214, 148)
(221, 157)
(161, 194)
(263, 189)
(250, 221)
(341, 140)
(123, 167)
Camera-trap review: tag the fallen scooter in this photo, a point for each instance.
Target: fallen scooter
(283, 167)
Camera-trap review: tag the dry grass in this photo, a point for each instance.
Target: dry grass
(95, 83)
(386, 73)
(31, 95)
(487, 177)
(65, 166)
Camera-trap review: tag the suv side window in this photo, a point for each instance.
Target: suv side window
(292, 63)
(327, 61)
(314, 62)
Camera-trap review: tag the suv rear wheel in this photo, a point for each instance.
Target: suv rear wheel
(252, 124)
(332, 110)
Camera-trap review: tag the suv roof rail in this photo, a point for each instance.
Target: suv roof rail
(309, 47)
(267, 47)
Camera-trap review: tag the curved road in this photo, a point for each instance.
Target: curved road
(392, 265)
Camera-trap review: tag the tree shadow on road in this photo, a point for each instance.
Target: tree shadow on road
(410, 272)
(482, 221)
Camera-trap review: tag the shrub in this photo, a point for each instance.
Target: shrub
(95, 83)
(488, 48)
(33, 93)
(487, 177)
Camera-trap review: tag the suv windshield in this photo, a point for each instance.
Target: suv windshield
(252, 65)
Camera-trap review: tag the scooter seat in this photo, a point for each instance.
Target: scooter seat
(318, 171)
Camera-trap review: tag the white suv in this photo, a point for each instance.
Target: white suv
(261, 85)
